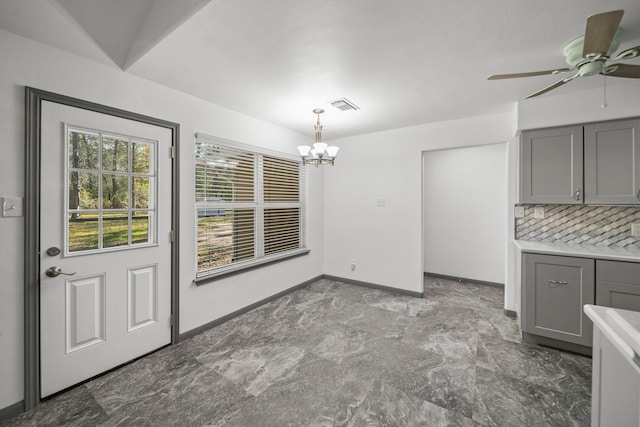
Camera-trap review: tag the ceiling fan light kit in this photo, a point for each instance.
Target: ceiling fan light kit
(588, 54)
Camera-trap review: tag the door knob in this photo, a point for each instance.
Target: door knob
(56, 271)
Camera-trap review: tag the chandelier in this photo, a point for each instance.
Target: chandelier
(320, 153)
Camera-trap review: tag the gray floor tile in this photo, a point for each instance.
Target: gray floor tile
(537, 365)
(192, 400)
(76, 407)
(505, 401)
(141, 379)
(255, 368)
(385, 405)
(319, 393)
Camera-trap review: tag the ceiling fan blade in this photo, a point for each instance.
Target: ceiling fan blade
(599, 33)
(625, 70)
(628, 53)
(528, 74)
(553, 86)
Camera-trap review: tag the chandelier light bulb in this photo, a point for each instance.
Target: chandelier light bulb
(317, 153)
(332, 151)
(304, 151)
(320, 146)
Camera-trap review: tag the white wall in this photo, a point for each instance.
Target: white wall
(464, 195)
(26, 63)
(581, 107)
(386, 242)
(512, 283)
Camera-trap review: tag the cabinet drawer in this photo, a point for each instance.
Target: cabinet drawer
(618, 284)
(555, 290)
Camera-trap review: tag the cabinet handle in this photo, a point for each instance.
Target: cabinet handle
(556, 283)
(577, 194)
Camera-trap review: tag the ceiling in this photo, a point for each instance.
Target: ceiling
(403, 62)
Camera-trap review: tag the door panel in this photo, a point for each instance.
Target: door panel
(101, 206)
(143, 297)
(85, 312)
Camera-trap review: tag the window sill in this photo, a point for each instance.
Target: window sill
(209, 276)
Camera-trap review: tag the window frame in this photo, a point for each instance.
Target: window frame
(151, 210)
(259, 205)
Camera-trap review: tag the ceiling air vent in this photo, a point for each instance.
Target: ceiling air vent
(343, 104)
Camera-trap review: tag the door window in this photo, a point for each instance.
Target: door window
(110, 191)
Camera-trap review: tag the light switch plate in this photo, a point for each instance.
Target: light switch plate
(519, 212)
(11, 206)
(538, 212)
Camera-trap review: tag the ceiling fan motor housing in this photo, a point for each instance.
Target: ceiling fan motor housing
(591, 68)
(591, 65)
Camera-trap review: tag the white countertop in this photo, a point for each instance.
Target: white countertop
(622, 327)
(584, 251)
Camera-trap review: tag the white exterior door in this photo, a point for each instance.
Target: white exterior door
(105, 246)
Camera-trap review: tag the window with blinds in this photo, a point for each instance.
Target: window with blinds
(250, 206)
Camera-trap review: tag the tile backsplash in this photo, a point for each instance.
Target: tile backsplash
(589, 225)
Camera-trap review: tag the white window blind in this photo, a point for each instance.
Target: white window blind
(250, 206)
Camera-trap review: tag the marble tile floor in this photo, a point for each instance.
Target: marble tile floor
(333, 354)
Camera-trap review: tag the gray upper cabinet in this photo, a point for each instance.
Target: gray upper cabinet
(551, 166)
(555, 288)
(618, 284)
(554, 162)
(612, 162)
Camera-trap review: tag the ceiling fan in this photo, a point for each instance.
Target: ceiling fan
(589, 54)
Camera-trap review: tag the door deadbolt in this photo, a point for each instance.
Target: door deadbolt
(53, 251)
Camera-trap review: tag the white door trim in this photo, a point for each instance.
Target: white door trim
(33, 99)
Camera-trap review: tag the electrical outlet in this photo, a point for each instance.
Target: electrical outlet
(380, 202)
(635, 229)
(538, 212)
(518, 212)
(353, 265)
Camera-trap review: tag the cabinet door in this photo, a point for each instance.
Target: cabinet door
(618, 284)
(551, 169)
(612, 162)
(555, 290)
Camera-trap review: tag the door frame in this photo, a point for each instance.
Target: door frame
(33, 115)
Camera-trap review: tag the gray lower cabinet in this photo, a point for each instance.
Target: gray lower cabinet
(615, 386)
(555, 289)
(618, 284)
